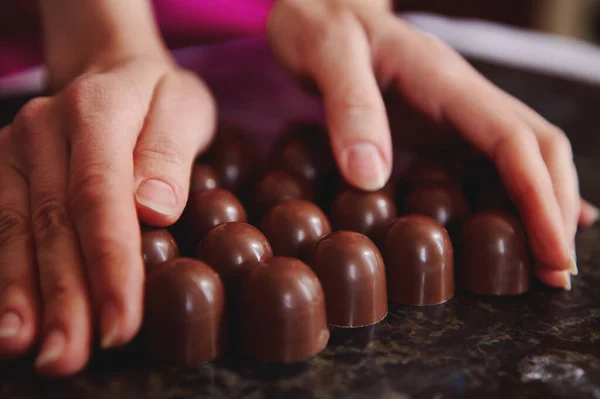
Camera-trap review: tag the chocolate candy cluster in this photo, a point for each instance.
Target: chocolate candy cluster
(268, 257)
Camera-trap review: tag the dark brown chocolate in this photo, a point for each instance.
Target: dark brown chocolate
(233, 159)
(203, 178)
(276, 186)
(304, 152)
(293, 227)
(185, 317)
(233, 249)
(419, 261)
(158, 246)
(495, 259)
(351, 270)
(431, 172)
(283, 314)
(208, 209)
(444, 203)
(369, 213)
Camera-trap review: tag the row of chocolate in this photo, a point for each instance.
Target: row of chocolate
(273, 290)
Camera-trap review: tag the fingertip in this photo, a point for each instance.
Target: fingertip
(589, 214)
(117, 326)
(18, 326)
(58, 357)
(364, 166)
(554, 278)
(158, 202)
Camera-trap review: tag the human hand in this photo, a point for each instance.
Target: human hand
(351, 50)
(76, 170)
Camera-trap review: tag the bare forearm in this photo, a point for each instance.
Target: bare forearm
(80, 34)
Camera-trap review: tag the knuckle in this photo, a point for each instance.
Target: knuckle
(164, 150)
(60, 288)
(106, 253)
(30, 117)
(559, 141)
(87, 187)
(13, 223)
(49, 219)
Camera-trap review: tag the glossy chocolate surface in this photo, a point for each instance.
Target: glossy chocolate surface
(276, 186)
(351, 270)
(233, 160)
(284, 317)
(293, 227)
(369, 213)
(158, 246)
(203, 178)
(419, 261)
(304, 152)
(444, 203)
(211, 208)
(431, 172)
(495, 258)
(185, 317)
(233, 249)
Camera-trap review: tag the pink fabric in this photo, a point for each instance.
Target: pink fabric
(183, 23)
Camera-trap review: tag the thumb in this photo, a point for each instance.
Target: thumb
(180, 123)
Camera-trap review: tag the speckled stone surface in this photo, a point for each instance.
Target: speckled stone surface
(543, 344)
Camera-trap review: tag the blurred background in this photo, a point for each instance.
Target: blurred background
(572, 18)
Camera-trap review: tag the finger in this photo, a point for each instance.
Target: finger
(448, 89)
(101, 201)
(554, 278)
(180, 122)
(19, 299)
(66, 337)
(589, 214)
(558, 156)
(356, 116)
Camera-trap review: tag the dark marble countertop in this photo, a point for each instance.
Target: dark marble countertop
(542, 344)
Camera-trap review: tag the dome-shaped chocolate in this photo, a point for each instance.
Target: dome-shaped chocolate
(419, 261)
(283, 312)
(293, 227)
(369, 213)
(351, 270)
(444, 203)
(185, 318)
(494, 254)
(208, 209)
(203, 178)
(276, 186)
(158, 246)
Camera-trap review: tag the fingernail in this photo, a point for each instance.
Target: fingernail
(52, 349)
(157, 195)
(9, 325)
(573, 269)
(109, 326)
(567, 285)
(363, 162)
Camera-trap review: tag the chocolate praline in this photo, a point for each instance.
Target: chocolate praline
(184, 313)
(494, 253)
(444, 203)
(283, 314)
(351, 270)
(304, 152)
(208, 209)
(419, 260)
(369, 213)
(276, 186)
(233, 159)
(233, 249)
(158, 246)
(203, 178)
(293, 227)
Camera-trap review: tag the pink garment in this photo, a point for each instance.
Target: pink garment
(182, 22)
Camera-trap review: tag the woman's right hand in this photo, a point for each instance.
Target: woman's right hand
(76, 171)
